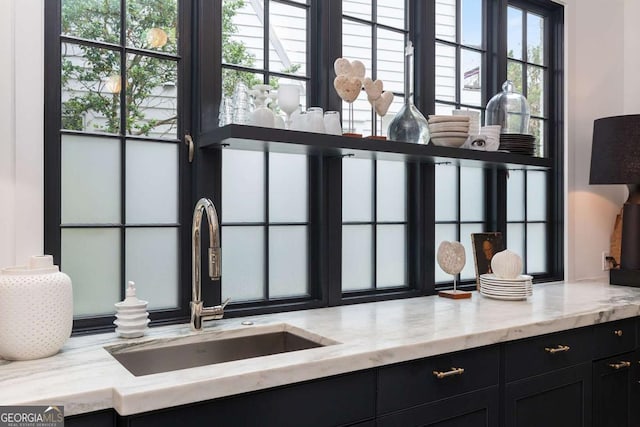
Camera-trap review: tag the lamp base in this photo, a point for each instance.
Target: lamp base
(624, 277)
(454, 294)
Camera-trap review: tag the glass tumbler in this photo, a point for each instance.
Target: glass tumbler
(225, 116)
(241, 104)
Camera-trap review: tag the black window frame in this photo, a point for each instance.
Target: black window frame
(201, 71)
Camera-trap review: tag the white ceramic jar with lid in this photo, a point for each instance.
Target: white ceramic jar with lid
(132, 317)
(36, 309)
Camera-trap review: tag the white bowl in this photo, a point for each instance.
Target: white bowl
(448, 141)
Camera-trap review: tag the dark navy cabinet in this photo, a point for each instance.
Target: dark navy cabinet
(581, 377)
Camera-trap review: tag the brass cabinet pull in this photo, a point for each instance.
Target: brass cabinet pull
(558, 349)
(189, 141)
(618, 332)
(620, 365)
(453, 371)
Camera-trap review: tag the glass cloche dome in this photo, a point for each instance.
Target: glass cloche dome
(510, 110)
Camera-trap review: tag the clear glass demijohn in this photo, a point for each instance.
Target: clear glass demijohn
(510, 110)
(409, 125)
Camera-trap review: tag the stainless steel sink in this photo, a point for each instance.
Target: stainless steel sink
(157, 356)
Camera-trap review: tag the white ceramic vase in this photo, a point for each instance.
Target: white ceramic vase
(36, 310)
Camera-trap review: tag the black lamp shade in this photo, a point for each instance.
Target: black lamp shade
(615, 153)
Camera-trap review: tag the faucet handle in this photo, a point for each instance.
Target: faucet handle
(216, 312)
(215, 262)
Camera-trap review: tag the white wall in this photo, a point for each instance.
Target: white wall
(21, 130)
(595, 84)
(601, 80)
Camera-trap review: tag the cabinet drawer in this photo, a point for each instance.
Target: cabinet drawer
(614, 338)
(534, 356)
(477, 409)
(416, 382)
(335, 401)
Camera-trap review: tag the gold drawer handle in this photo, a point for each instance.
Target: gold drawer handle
(454, 371)
(620, 365)
(558, 349)
(618, 332)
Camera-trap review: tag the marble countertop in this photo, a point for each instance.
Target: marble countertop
(84, 377)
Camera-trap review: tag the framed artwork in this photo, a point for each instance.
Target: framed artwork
(485, 245)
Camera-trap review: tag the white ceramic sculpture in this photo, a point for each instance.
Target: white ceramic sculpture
(451, 257)
(36, 310)
(348, 83)
(379, 100)
(506, 264)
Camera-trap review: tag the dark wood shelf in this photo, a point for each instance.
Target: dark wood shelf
(243, 137)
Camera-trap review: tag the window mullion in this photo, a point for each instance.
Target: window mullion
(332, 195)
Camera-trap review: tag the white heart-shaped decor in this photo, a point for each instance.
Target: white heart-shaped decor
(451, 257)
(348, 88)
(373, 89)
(506, 264)
(357, 69)
(383, 103)
(342, 67)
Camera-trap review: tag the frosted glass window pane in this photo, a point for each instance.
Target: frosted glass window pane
(152, 182)
(446, 20)
(445, 73)
(91, 257)
(242, 263)
(446, 193)
(536, 196)
(536, 248)
(469, 270)
(391, 185)
(471, 194)
(288, 261)
(152, 262)
(288, 27)
(390, 61)
(357, 189)
(515, 238)
(391, 13)
(391, 257)
(90, 180)
(357, 257)
(444, 232)
(242, 186)
(515, 196)
(288, 188)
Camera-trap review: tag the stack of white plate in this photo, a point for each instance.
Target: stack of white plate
(448, 131)
(506, 289)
